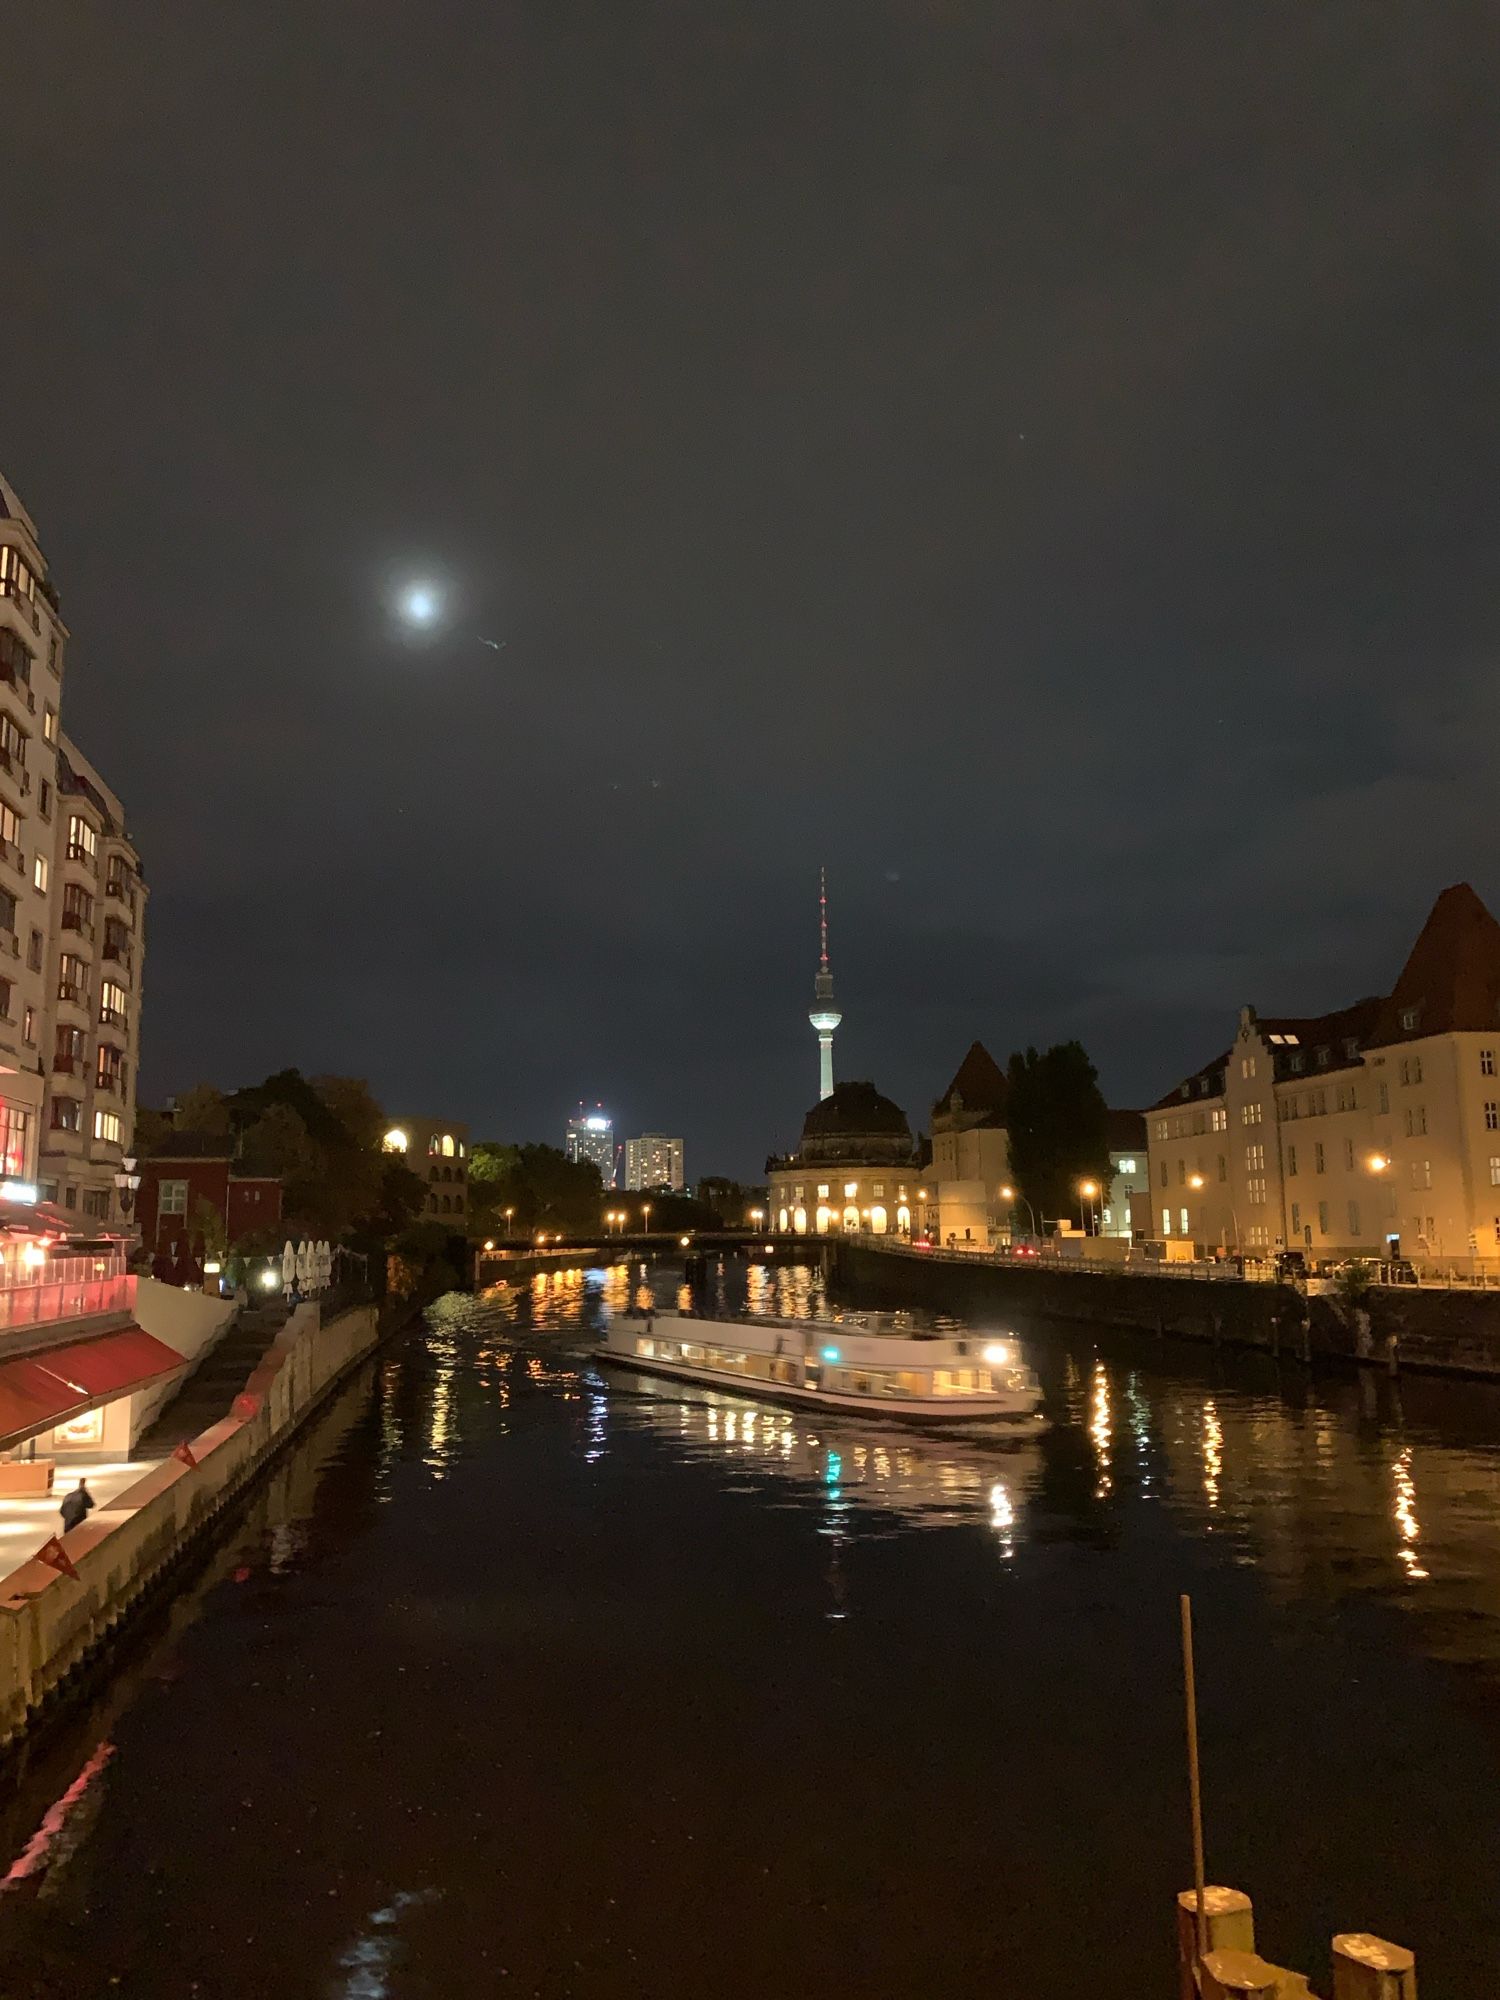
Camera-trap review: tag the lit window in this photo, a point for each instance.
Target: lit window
(1495, 1169)
(851, 1189)
(173, 1199)
(39, 874)
(1486, 1056)
(49, 724)
(1166, 1222)
(107, 1127)
(83, 841)
(1127, 1166)
(112, 1000)
(823, 1191)
(1250, 1113)
(1186, 1225)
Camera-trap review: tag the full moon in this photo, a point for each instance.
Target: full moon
(419, 604)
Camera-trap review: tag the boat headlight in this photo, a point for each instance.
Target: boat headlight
(997, 1354)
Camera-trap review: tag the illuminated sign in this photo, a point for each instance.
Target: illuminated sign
(18, 1191)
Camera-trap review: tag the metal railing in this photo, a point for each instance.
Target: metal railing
(69, 1288)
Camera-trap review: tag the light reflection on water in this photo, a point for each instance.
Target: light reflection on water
(1335, 1486)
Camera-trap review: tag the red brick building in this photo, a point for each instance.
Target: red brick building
(173, 1185)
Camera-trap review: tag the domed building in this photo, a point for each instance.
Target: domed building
(854, 1170)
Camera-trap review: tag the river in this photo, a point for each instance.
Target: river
(524, 1678)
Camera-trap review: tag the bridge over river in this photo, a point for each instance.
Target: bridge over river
(522, 1678)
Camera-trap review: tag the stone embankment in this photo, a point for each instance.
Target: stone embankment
(1429, 1327)
(51, 1623)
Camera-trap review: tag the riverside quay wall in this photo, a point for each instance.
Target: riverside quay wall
(50, 1622)
(1428, 1327)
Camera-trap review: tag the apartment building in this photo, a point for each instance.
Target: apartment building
(72, 904)
(1371, 1131)
(653, 1161)
(438, 1152)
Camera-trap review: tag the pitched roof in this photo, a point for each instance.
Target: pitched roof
(979, 1083)
(1451, 981)
(1126, 1131)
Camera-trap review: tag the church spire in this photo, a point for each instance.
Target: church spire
(824, 1014)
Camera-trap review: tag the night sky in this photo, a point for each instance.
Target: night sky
(1039, 459)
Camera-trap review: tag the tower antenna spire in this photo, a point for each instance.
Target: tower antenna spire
(824, 1014)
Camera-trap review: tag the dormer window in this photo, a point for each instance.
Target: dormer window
(1409, 1019)
(1351, 1048)
(1323, 1058)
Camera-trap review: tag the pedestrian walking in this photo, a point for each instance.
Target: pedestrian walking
(76, 1506)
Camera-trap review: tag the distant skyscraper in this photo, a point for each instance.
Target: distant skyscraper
(824, 1014)
(653, 1161)
(591, 1136)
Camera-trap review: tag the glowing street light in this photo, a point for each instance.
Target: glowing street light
(1195, 1180)
(1377, 1163)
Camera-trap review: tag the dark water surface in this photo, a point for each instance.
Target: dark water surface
(527, 1679)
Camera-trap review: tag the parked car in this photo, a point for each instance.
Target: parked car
(1291, 1264)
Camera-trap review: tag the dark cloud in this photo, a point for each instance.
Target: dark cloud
(1037, 459)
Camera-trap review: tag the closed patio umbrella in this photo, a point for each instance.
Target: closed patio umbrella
(304, 1264)
(288, 1266)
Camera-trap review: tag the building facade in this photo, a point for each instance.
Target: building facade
(195, 1175)
(591, 1136)
(854, 1171)
(969, 1175)
(437, 1151)
(653, 1161)
(1372, 1131)
(1126, 1208)
(72, 908)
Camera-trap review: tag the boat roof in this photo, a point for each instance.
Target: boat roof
(856, 1347)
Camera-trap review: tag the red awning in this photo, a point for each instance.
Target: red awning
(38, 1391)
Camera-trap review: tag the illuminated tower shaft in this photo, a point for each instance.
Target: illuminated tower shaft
(824, 1014)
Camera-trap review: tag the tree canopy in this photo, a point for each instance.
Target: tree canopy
(546, 1189)
(1059, 1127)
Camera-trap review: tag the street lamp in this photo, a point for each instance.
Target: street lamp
(127, 1180)
(1009, 1194)
(1086, 1192)
(1377, 1163)
(755, 1216)
(645, 1217)
(509, 1213)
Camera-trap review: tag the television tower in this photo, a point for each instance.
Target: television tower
(824, 1014)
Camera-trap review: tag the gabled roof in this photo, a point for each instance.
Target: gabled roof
(980, 1086)
(1449, 984)
(1451, 981)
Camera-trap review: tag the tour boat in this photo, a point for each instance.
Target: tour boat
(832, 1364)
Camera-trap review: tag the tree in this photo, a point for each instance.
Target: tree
(202, 1110)
(1058, 1125)
(546, 1189)
(208, 1231)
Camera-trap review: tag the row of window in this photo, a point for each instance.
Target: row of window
(851, 1188)
(67, 1116)
(69, 1054)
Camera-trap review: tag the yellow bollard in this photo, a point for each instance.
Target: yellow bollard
(1240, 1975)
(1229, 1920)
(1367, 1968)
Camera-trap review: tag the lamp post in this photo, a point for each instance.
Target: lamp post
(1197, 1182)
(645, 1217)
(509, 1217)
(1009, 1194)
(127, 1181)
(1087, 1190)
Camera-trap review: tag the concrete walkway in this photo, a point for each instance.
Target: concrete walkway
(208, 1393)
